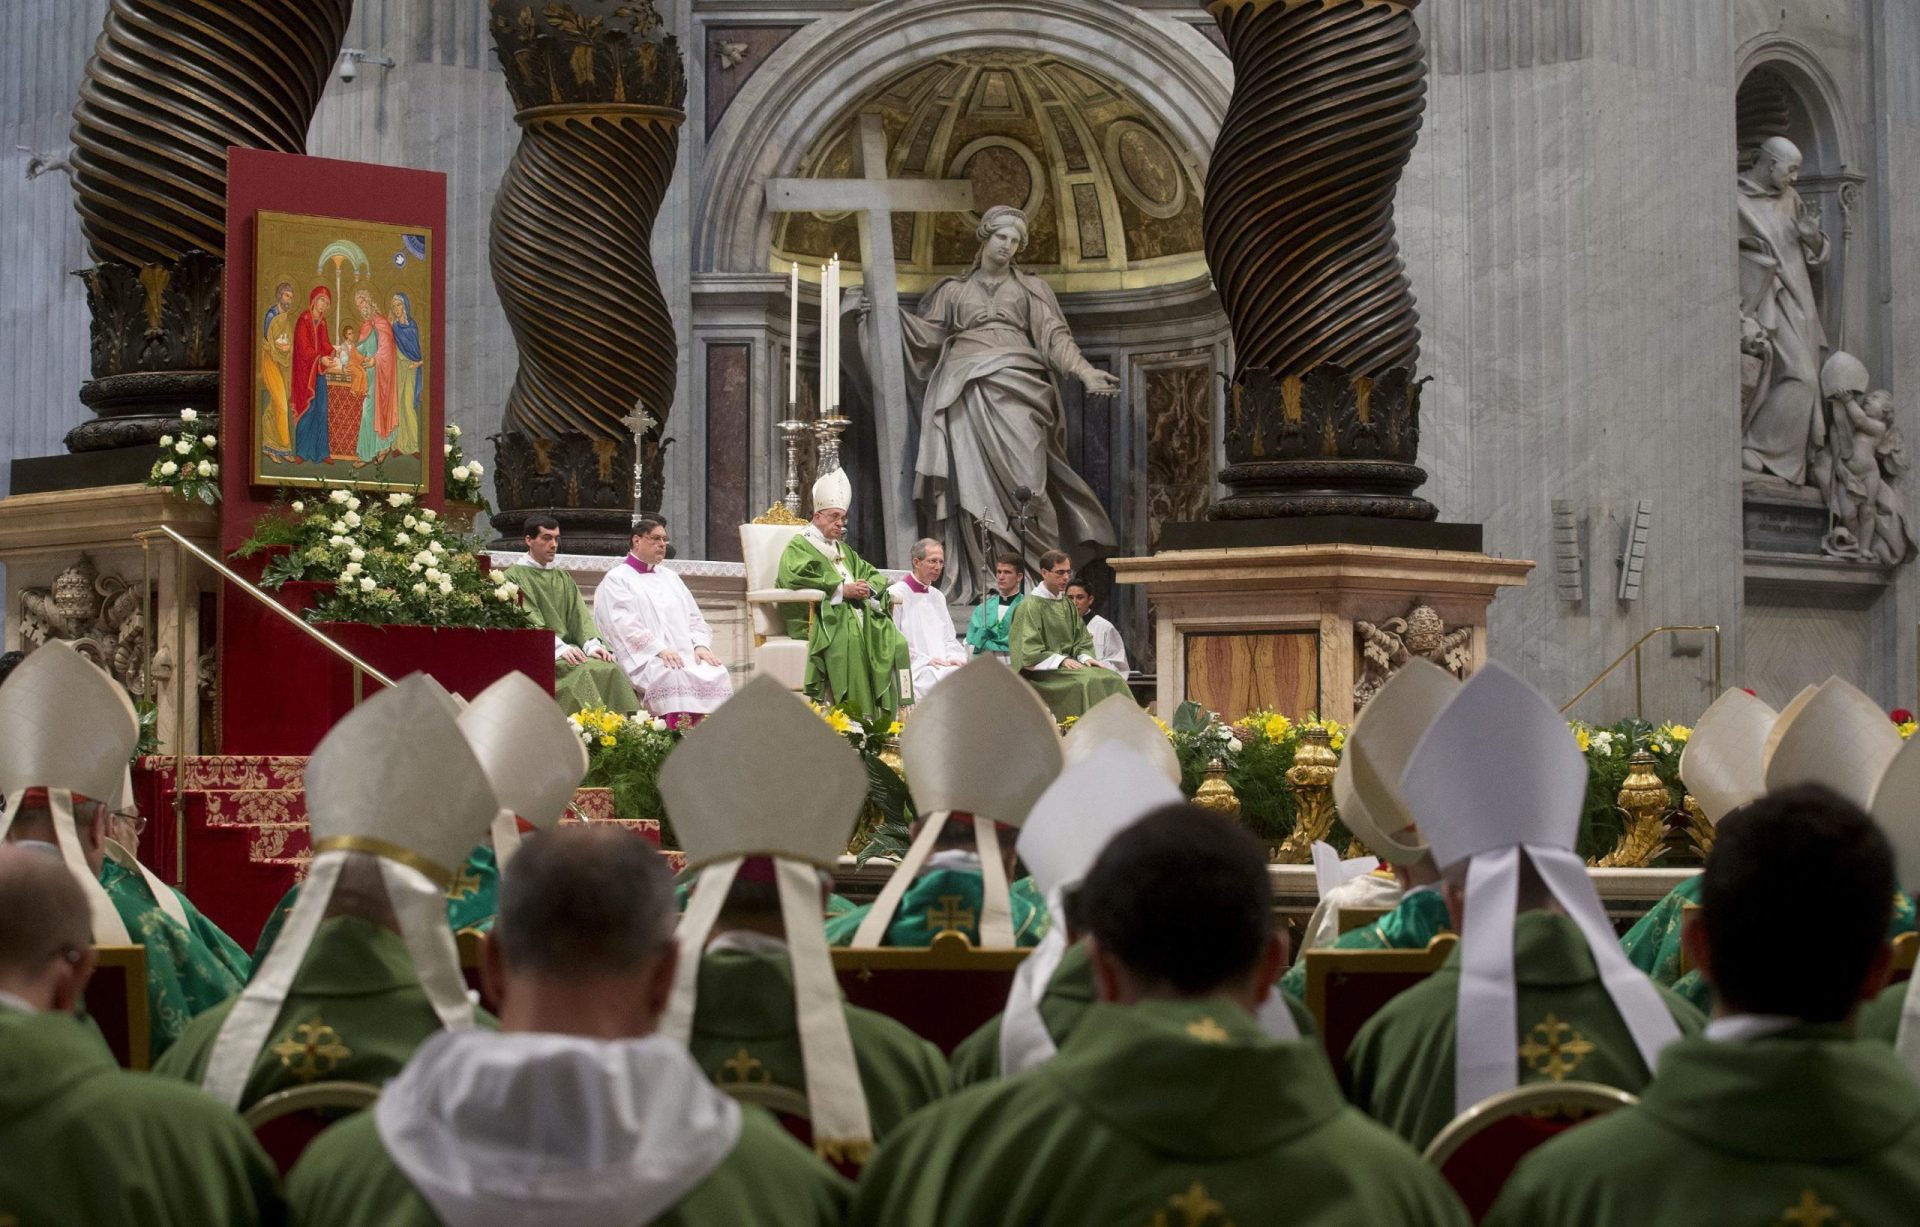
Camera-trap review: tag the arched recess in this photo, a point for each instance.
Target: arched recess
(1172, 68)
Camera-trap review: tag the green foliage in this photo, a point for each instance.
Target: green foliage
(187, 464)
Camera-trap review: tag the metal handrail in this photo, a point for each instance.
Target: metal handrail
(1639, 689)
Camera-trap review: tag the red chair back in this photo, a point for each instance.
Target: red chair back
(286, 1122)
(1479, 1149)
(471, 946)
(942, 992)
(116, 1001)
(1345, 988)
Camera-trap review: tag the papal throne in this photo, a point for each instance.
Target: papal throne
(776, 655)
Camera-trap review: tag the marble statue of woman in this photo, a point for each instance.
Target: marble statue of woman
(1780, 243)
(982, 353)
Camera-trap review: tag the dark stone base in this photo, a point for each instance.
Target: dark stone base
(583, 530)
(137, 407)
(124, 466)
(1322, 530)
(1269, 489)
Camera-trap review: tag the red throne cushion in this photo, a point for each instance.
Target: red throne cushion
(1479, 1169)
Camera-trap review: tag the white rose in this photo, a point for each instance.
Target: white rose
(411, 522)
(433, 575)
(1233, 744)
(206, 468)
(336, 541)
(166, 440)
(366, 584)
(419, 590)
(352, 518)
(446, 587)
(460, 472)
(423, 558)
(189, 415)
(429, 514)
(399, 500)
(453, 432)
(298, 506)
(475, 466)
(357, 554)
(446, 449)
(413, 568)
(402, 539)
(436, 547)
(501, 594)
(658, 726)
(182, 447)
(169, 468)
(351, 569)
(353, 503)
(209, 440)
(215, 466)
(511, 587)
(338, 496)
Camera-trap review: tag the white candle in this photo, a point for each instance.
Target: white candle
(793, 337)
(820, 405)
(833, 386)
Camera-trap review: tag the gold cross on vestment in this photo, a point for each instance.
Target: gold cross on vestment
(1811, 1212)
(1195, 1208)
(1554, 1048)
(949, 917)
(465, 885)
(1207, 1031)
(311, 1050)
(743, 1066)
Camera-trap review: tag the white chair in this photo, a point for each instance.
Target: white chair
(775, 654)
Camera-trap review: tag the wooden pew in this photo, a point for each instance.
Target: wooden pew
(116, 1001)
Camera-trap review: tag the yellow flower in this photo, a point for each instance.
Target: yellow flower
(1580, 735)
(606, 740)
(893, 730)
(1906, 730)
(1277, 727)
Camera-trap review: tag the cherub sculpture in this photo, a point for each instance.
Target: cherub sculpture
(1384, 648)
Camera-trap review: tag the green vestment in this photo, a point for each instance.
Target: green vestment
(855, 654)
(185, 974)
(346, 1179)
(84, 1143)
(947, 899)
(1416, 920)
(745, 1030)
(1400, 1066)
(986, 629)
(354, 1013)
(472, 901)
(1045, 627)
(555, 602)
(1808, 1126)
(1879, 1019)
(1176, 1113)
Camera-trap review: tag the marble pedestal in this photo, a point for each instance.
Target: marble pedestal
(44, 538)
(1237, 630)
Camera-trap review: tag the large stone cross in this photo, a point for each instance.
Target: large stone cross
(876, 198)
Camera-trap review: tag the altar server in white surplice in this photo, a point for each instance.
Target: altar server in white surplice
(651, 624)
(925, 620)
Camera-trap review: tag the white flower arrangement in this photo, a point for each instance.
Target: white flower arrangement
(187, 464)
(189, 415)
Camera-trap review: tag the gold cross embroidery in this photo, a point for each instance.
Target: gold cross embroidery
(1207, 1031)
(743, 1066)
(949, 916)
(1554, 1048)
(465, 885)
(1811, 1212)
(311, 1050)
(1194, 1208)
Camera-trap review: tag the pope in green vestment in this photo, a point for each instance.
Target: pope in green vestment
(1419, 917)
(855, 654)
(990, 623)
(86, 1143)
(948, 898)
(554, 600)
(188, 970)
(1164, 1112)
(354, 1012)
(745, 1032)
(1400, 1066)
(472, 900)
(1805, 1126)
(1046, 636)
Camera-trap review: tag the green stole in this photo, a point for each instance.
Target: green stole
(854, 653)
(472, 901)
(354, 1013)
(185, 974)
(1044, 627)
(948, 899)
(986, 630)
(555, 602)
(1170, 1112)
(1805, 1126)
(1417, 919)
(745, 1031)
(87, 1143)
(1400, 1065)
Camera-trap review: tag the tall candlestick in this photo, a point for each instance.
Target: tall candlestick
(833, 387)
(820, 402)
(793, 335)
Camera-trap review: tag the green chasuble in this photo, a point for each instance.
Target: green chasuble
(472, 901)
(1159, 1113)
(1808, 1126)
(1419, 917)
(354, 1013)
(986, 630)
(346, 1179)
(1400, 1066)
(948, 899)
(1879, 1019)
(1044, 627)
(87, 1144)
(185, 975)
(745, 1030)
(1070, 994)
(855, 654)
(555, 602)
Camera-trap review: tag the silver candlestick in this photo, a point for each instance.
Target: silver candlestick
(826, 434)
(794, 430)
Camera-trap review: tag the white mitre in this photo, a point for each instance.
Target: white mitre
(1838, 738)
(1896, 807)
(397, 779)
(531, 756)
(982, 744)
(1782, 721)
(67, 727)
(833, 491)
(1118, 720)
(796, 806)
(1498, 775)
(1724, 764)
(1366, 787)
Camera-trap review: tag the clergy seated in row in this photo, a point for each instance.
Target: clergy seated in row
(85, 1141)
(577, 1111)
(932, 647)
(977, 754)
(992, 619)
(1169, 1102)
(585, 673)
(1108, 648)
(1366, 791)
(1496, 787)
(654, 628)
(856, 657)
(67, 732)
(756, 998)
(1777, 1113)
(1051, 648)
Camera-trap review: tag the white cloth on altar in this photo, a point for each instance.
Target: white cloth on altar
(560, 645)
(1107, 644)
(928, 625)
(1369, 890)
(639, 616)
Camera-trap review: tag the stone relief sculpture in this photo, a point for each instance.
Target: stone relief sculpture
(1782, 341)
(99, 616)
(1855, 466)
(1385, 647)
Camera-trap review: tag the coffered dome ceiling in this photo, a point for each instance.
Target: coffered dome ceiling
(1111, 204)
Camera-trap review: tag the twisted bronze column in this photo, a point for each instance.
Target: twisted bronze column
(1324, 414)
(600, 90)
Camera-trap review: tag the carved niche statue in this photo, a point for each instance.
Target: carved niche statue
(1385, 647)
(1782, 341)
(99, 616)
(1855, 461)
